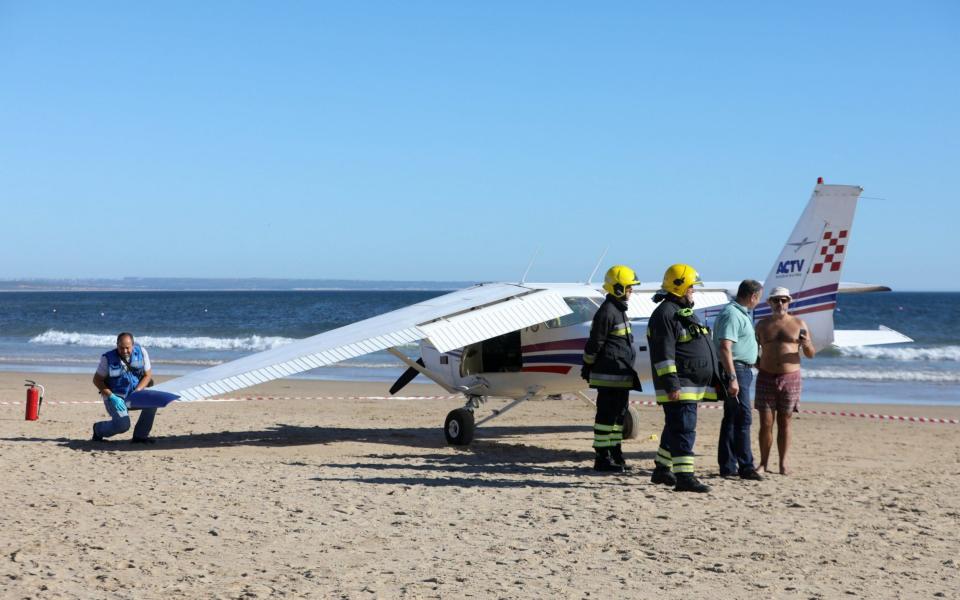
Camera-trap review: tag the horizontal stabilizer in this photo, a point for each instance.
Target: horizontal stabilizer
(848, 287)
(150, 399)
(868, 337)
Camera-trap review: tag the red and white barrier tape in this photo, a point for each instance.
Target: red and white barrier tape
(834, 413)
(248, 398)
(831, 413)
(837, 413)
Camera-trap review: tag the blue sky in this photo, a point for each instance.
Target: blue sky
(450, 140)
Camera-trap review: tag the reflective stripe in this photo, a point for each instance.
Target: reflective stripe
(607, 377)
(664, 367)
(620, 329)
(605, 380)
(683, 464)
(589, 358)
(684, 336)
(603, 444)
(617, 428)
(688, 394)
(601, 427)
(663, 458)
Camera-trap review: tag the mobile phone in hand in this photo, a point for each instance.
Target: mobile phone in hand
(803, 334)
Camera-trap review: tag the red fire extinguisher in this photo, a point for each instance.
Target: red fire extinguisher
(34, 399)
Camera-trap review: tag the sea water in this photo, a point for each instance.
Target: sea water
(184, 331)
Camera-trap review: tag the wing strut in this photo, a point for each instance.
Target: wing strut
(531, 393)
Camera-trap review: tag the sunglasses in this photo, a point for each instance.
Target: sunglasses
(780, 300)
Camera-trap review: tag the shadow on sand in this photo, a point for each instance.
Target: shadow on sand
(488, 462)
(298, 435)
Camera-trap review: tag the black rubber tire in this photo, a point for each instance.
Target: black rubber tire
(458, 427)
(631, 423)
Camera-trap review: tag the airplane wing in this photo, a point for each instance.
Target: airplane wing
(641, 304)
(450, 321)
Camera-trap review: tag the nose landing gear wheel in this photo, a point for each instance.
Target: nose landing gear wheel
(458, 427)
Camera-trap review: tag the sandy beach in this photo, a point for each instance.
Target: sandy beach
(318, 496)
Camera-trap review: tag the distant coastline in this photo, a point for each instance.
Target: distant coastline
(249, 284)
(184, 284)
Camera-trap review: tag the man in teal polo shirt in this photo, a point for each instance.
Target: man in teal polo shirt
(737, 344)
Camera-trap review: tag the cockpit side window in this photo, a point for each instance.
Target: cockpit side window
(583, 311)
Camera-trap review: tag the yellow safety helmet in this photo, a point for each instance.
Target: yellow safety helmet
(678, 279)
(617, 279)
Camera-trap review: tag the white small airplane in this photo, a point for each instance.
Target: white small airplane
(525, 340)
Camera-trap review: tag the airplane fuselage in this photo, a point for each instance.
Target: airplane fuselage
(546, 357)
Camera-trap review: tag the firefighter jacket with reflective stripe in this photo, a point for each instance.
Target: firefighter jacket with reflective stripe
(609, 352)
(682, 356)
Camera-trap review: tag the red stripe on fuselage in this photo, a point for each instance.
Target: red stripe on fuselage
(558, 345)
(814, 309)
(547, 369)
(824, 289)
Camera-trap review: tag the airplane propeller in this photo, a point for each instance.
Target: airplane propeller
(405, 378)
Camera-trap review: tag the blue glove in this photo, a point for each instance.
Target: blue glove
(118, 404)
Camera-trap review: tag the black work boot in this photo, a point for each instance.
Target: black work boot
(664, 476)
(616, 455)
(686, 482)
(604, 462)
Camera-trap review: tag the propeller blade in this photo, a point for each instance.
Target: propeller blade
(405, 378)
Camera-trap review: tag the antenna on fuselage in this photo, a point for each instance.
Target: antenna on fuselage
(529, 266)
(594, 271)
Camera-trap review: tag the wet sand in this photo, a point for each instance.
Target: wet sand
(360, 498)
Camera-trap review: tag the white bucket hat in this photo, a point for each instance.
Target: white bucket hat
(781, 292)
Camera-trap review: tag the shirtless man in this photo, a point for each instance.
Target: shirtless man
(782, 337)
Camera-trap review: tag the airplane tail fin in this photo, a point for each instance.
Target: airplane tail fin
(811, 261)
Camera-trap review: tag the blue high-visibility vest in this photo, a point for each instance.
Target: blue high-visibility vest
(121, 377)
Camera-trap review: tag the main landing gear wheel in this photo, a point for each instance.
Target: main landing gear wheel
(458, 428)
(631, 423)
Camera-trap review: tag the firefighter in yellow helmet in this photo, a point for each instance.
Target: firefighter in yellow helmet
(684, 369)
(608, 358)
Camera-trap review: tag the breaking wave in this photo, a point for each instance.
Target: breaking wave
(941, 353)
(885, 375)
(253, 343)
(58, 360)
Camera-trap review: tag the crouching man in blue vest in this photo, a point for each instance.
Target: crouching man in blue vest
(120, 373)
